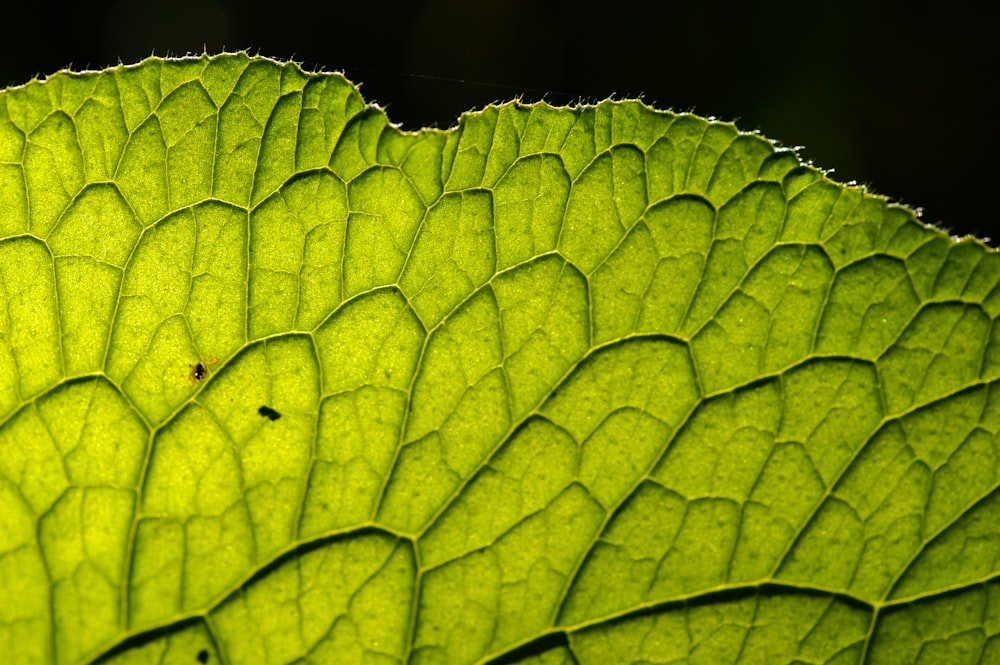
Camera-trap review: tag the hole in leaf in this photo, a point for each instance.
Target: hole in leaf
(202, 656)
(268, 412)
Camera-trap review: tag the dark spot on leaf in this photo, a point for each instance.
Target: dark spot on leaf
(268, 412)
(203, 656)
(198, 372)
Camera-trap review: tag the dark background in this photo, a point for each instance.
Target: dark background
(892, 95)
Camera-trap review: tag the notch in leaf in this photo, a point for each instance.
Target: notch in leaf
(268, 412)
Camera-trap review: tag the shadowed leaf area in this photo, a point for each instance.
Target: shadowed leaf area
(281, 383)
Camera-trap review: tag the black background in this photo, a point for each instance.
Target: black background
(892, 95)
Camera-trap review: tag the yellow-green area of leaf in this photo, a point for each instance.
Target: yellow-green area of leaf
(282, 383)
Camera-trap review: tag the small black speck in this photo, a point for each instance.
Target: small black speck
(199, 372)
(203, 656)
(268, 412)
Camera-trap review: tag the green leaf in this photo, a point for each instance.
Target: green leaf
(280, 382)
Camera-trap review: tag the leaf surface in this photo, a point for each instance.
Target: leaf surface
(282, 383)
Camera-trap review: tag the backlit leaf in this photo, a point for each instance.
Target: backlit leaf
(280, 382)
